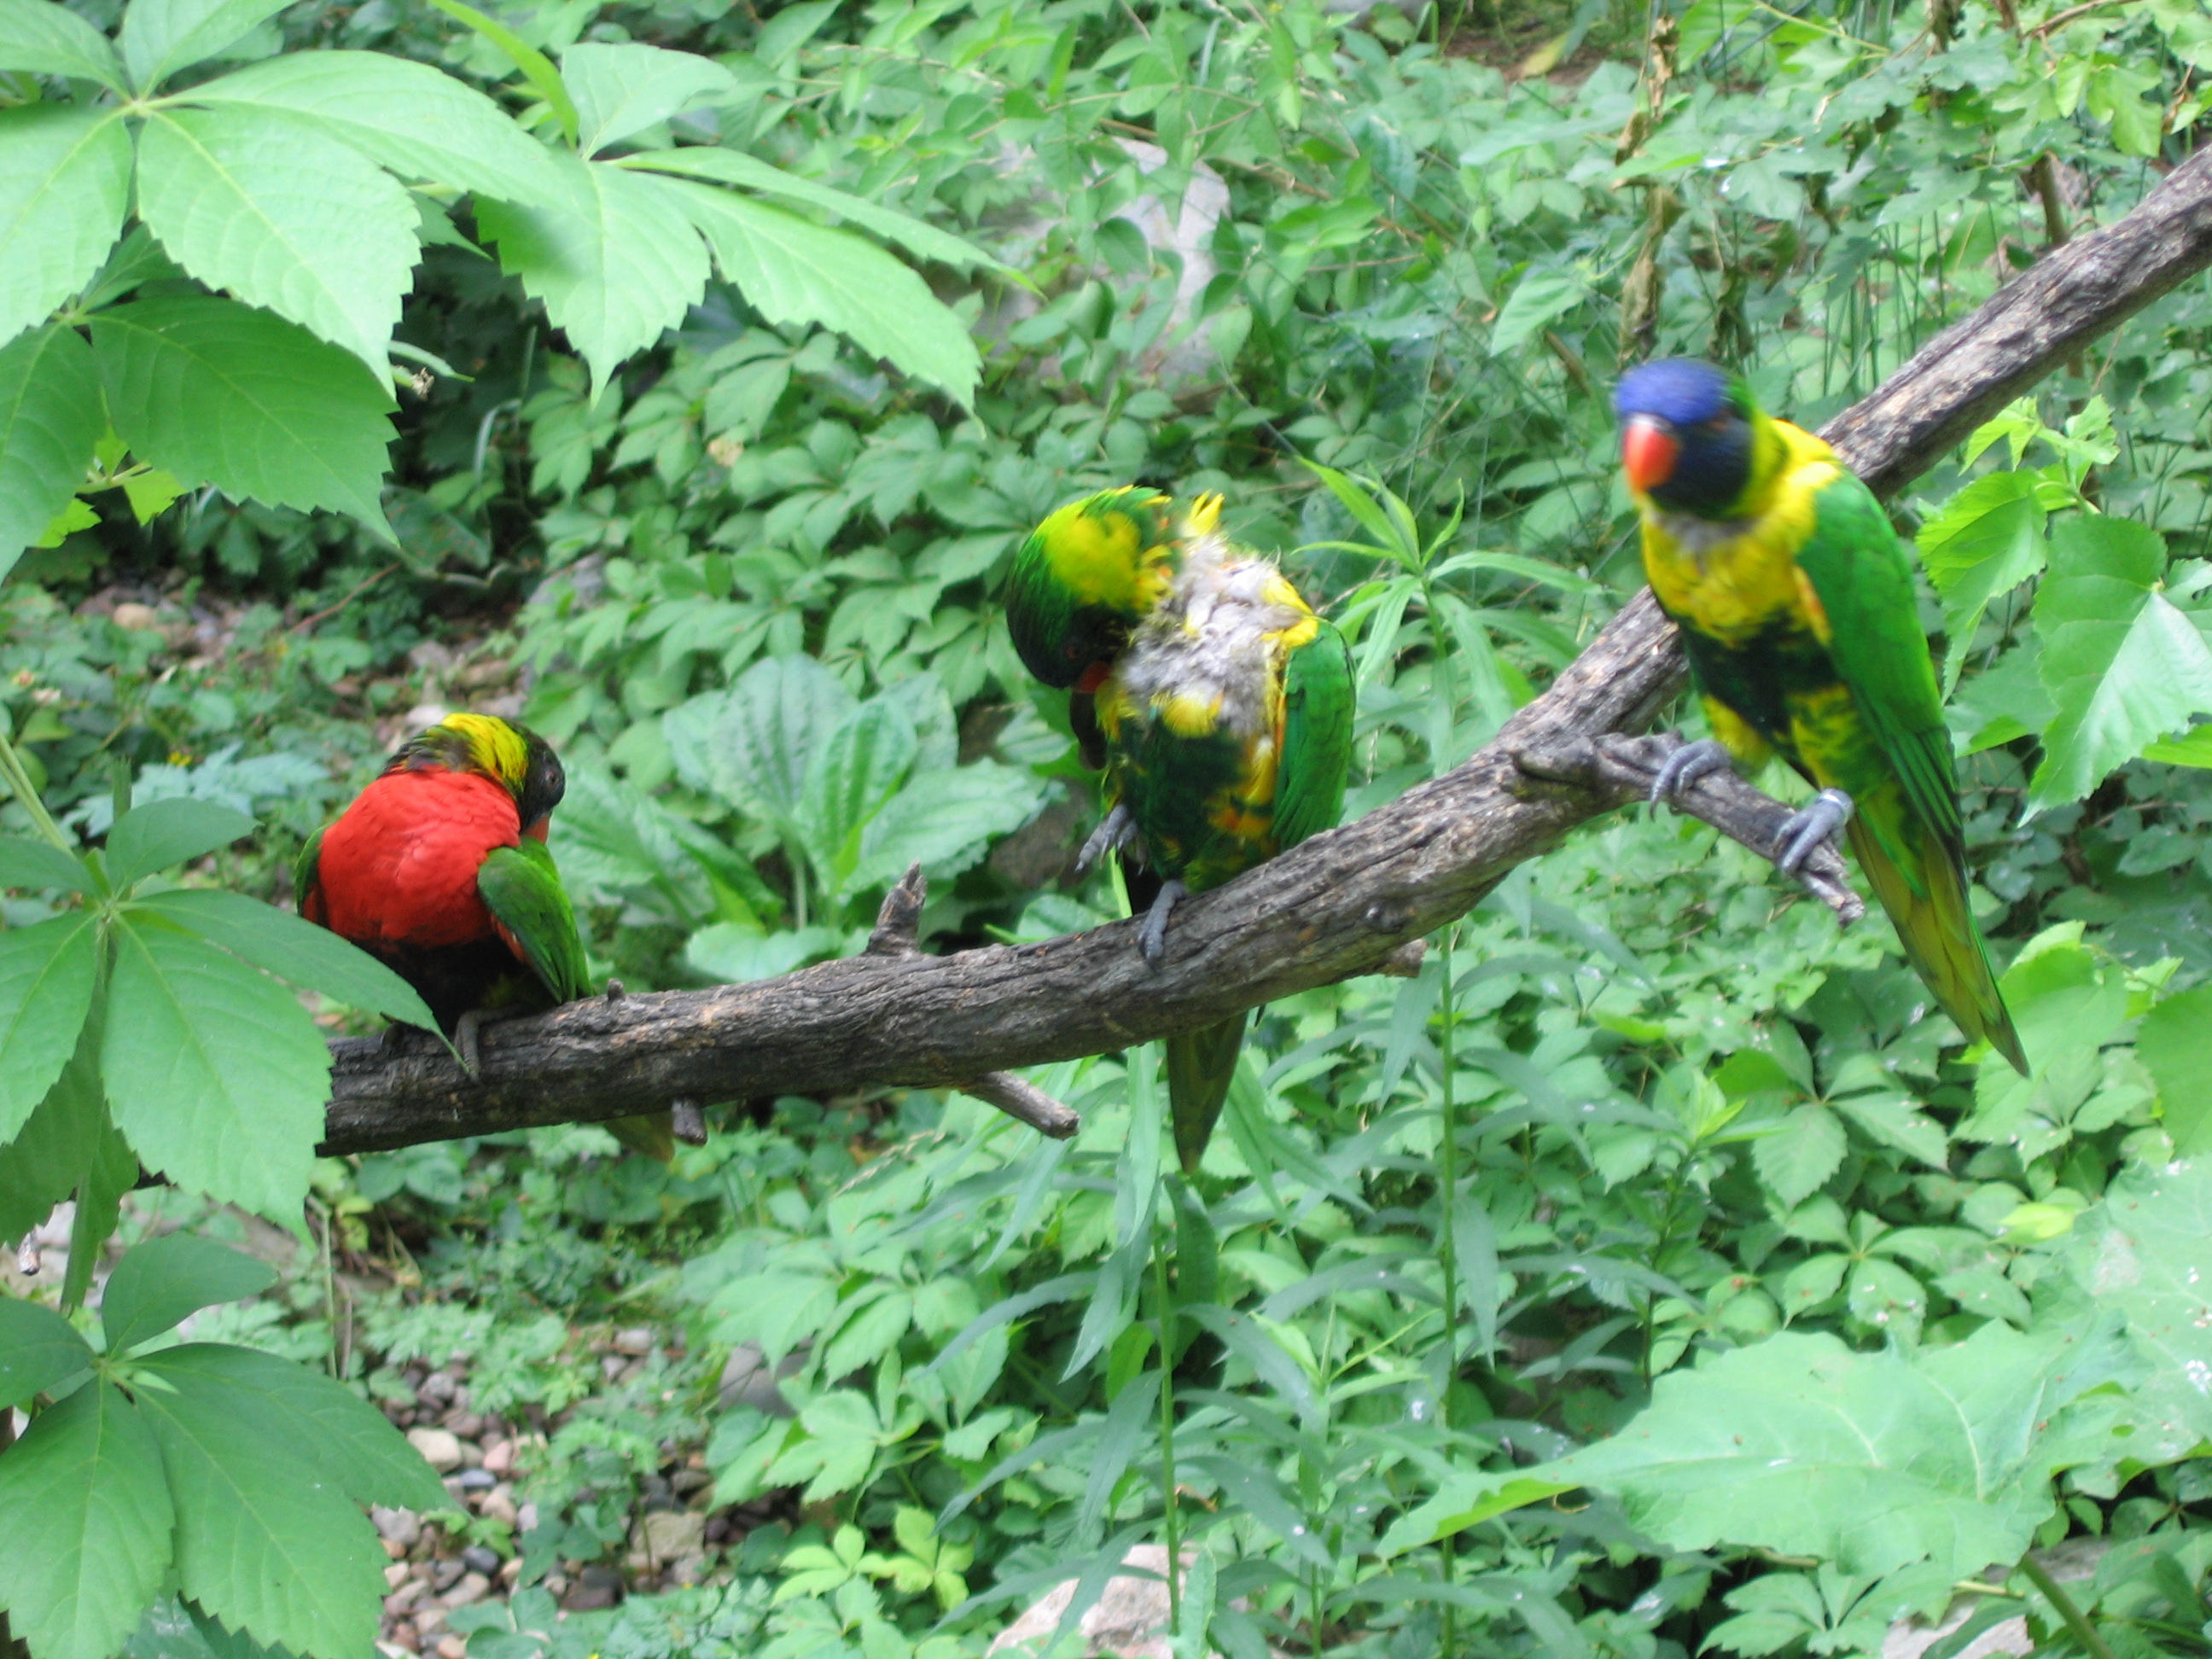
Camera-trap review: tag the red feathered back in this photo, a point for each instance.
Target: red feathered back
(399, 868)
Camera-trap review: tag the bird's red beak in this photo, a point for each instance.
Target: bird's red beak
(1648, 452)
(1094, 677)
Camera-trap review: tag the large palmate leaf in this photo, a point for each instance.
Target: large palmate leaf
(2174, 1043)
(294, 949)
(2123, 663)
(267, 1540)
(47, 976)
(615, 260)
(161, 1280)
(2146, 1251)
(1987, 540)
(85, 1520)
(285, 218)
(160, 37)
(625, 87)
(1797, 1444)
(218, 393)
(38, 1349)
(407, 116)
(44, 39)
(51, 420)
(161, 834)
(794, 271)
(214, 1071)
(68, 1147)
(64, 184)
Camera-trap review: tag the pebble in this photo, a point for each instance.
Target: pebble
(400, 1526)
(637, 1340)
(445, 1574)
(499, 1457)
(476, 1479)
(135, 618)
(498, 1504)
(478, 1558)
(472, 1588)
(395, 1575)
(452, 1647)
(440, 1448)
(403, 1598)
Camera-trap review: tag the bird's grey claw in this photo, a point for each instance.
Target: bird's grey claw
(1822, 819)
(1152, 937)
(1686, 765)
(1113, 830)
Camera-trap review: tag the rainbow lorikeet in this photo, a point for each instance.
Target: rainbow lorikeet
(1796, 602)
(440, 867)
(1226, 720)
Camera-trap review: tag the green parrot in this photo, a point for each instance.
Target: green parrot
(1796, 602)
(1227, 725)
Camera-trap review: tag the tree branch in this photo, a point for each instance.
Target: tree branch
(1341, 904)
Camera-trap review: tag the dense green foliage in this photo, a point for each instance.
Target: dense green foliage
(1642, 1110)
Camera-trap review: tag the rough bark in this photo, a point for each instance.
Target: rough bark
(1342, 904)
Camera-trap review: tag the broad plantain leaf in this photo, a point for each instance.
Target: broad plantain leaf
(943, 820)
(65, 185)
(2145, 1251)
(51, 420)
(214, 1071)
(163, 1280)
(2174, 1043)
(220, 393)
(292, 950)
(284, 217)
(85, 1520)
(47, 976)
(750, 746)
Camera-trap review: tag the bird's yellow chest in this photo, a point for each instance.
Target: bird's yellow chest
(1733, 580)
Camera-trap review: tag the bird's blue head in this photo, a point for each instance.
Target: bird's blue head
(1688, 435)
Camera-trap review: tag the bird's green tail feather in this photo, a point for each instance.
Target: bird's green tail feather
(1937, 930)
(653, 1133)
(1199, 1066)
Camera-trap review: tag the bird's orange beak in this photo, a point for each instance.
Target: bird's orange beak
(1648, 453)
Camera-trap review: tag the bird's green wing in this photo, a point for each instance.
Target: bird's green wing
(1864, 577)
(1318, 703)
(305, 870)
(522, 889)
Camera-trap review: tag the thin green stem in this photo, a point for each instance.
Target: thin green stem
(19, 782)
(1446, 1257)
(2077, 1621)
(1172, 1523)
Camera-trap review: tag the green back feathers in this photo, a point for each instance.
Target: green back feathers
(521, 888)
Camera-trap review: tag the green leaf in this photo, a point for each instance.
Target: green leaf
(1797, 1158)
(160, 37)
(219, 393)
(43, 38)
(38, 1349)
(2145, 1251)
(40, 866)
(2174, 1043)
(307, 956)
(164, 833)
(161, 1280)
(69, 1145)
(2192, 749)
(47, 972)
(751, 745)
(266, 1541)
(614, 260)
(285, 218)
(2122, 664)
(1539, 300)
(848, 779)
(50, 418)
(85, 1519)
(792, 271)
(64, 186)
(414, 119)
(537, 68)
(943, 820)
(1987, 540)
(730, 166)
(338, 1437)
(624, 88)
(214, 1071)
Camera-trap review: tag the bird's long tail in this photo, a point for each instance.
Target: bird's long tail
(1199, 1066)
(1937, 930)
(651, 1133)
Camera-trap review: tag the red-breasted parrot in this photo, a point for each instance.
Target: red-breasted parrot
(1796, 601)
(440, 867)
(1227, 722)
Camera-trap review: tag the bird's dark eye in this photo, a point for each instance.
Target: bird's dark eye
(1071, 651)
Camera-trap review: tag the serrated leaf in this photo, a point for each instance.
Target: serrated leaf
(164, 833)
(85, 1518)
(40, 866)
(43, 38)
(47, 976)
(751, 745)
(625, 87)
(161, 1280)
(792, 271)
(849, 778)
(266, 1541)
(2192, 749)
(218, 393)
(1987, 540)
(307, 956)
(38, 1349)
(49, 419)
(2144, 1250)
(537, 68)
(338, 1436)
(730, 166)
(285, 219)
(1797, 1158)
(615, 260)
(1896, 1121)
(943, 820)
(414, 119)
(1539, 300)
(214, 1071)
(160, 37)
(64, 186)
(69, 1145)
(2174, 1043)
(2122, 663)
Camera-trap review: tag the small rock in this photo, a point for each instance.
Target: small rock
(469, 1426)
(476, 1479)
(472, 1588)
(452, 1647)
(400, 1526)
(670, 1534)
(499, 1457)
(394, 1575)
(392, 1649)
(396, 1552)
(479, 675)
(498, 1504)
(477, 1558)
(403, 1598)
(684, 1482)
(1127, 1621)
(431, 1623)
(440, 1448)
(135, 618)
(748, 1379)
(637, 1340)
(445, 1574)
(509, 1570)
(525, 1517)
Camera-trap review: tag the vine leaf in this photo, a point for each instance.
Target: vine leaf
(1987, 540)
(64, 186)
(165, 1279)
(623, 88)
(42, 38)
(165, 833)
(51, 420)
(160, 37)
(292, 950)
(47, 973)
(38, 1349)
(2174, 1043)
